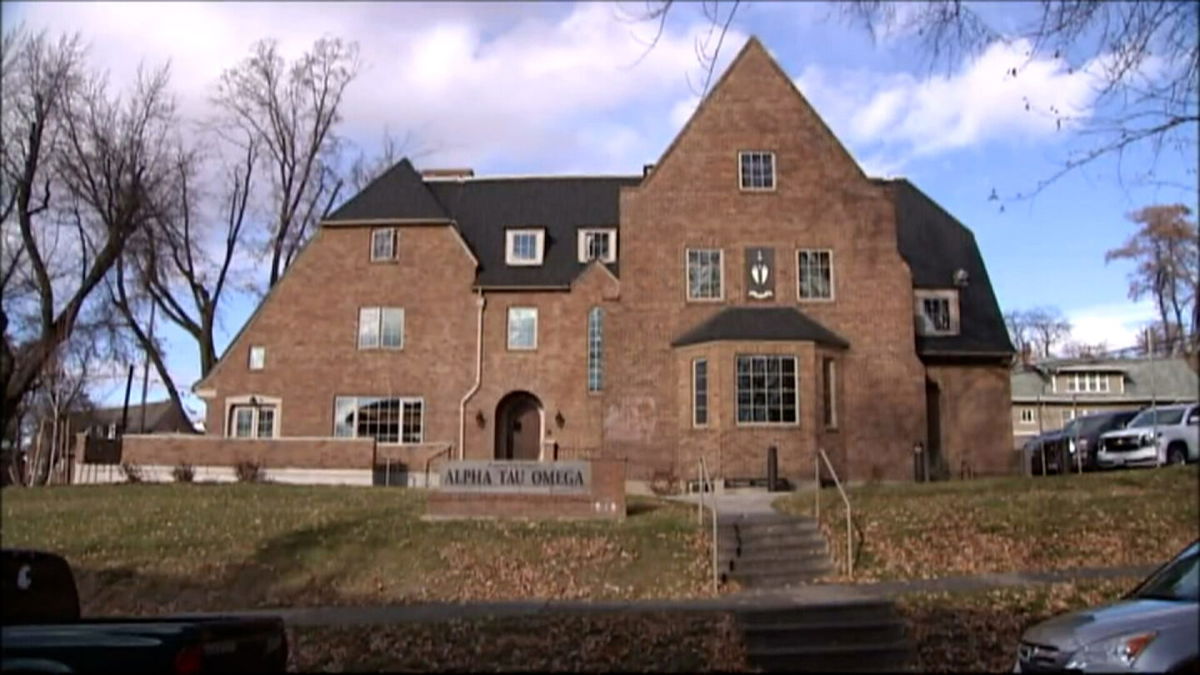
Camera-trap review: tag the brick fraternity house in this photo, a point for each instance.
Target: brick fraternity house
(1048, 395)
(753, 288)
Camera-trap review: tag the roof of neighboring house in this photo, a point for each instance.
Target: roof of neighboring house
(399, 193)
(159, 417)
(760, 323)
(936, 245)
(1168, 379)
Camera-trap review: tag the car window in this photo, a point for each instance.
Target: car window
(1165, 417)
(1194, 416)
(1178, 581)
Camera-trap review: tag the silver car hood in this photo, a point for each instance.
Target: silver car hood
(1133, 432)
(1070, 632)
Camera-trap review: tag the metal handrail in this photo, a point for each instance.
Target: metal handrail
(849, 528)
(703, 480)
(429, 460)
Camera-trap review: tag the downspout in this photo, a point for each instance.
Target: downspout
(480, 302)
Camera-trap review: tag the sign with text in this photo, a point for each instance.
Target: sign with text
(517, 477)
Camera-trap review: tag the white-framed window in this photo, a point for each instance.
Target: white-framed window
(386, 419)
(598, 244)
(756, 170)
(258, 357)
(1087, 383)
(381, 327)
(522, 327)
(767, 389)
(1028, 416)
(595, 365)
(383, 244)
(829, 391)
(814, 274)
(252, 421)
(700, 392)
(705, 274)
(936, 312)
(524, 246)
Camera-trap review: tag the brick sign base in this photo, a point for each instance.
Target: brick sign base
(604, 499)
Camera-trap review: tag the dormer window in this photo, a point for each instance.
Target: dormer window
(598, 244)
(383, 244)
(1087, 383)
(524, 247)
(756, 170)
(937, 312)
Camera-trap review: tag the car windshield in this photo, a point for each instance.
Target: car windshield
(1180, 580)
(1146, 417)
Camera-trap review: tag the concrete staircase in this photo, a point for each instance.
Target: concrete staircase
(771, 550)
(847, 636)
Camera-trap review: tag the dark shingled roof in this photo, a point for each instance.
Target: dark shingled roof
(935, 245)
(398, 193)
(484, 208)
(760, 323)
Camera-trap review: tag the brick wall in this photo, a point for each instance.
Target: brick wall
(822, 200)
(606, 500)
(309, 326)
(974, 428)
(314, 453)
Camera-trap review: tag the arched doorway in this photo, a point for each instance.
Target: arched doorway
(519, 426)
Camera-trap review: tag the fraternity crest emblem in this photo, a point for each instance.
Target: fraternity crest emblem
(760, 273)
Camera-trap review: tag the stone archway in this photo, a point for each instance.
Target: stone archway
(519, 427)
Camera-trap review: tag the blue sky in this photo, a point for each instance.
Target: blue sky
(538, 88)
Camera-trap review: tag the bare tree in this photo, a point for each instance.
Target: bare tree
(1145, 57)
(77, 166)
(1166, 256)
(1047, 328)
(1019, 330)
(290, 111)
(1083, 350)
(365, 169)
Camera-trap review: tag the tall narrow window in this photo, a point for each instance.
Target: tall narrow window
(829, 391)
(700, 393)
(704, 274)
(595, 329)
(815, 274)
(258, 357)
(383, 244)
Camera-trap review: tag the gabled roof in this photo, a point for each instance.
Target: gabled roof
(935, 245)
(762, 324)
(484, 208)
(159, 417)
(1168, 379)
(399, 193)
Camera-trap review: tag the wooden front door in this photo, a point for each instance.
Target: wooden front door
(519, 427)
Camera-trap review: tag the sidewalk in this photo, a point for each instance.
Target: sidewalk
(814, 594)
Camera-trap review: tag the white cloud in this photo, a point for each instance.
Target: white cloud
(902, 117)
(478, 84)
(1116, 325)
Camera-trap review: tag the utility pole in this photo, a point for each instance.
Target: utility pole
(146, 368)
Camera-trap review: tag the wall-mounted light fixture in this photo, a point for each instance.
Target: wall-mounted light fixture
(480, 419)
(559, 419)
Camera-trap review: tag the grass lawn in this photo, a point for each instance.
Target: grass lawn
(1009, 524)
(974, 632)
(146, 549)
(607, 642)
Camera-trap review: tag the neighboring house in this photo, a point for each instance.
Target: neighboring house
(1049, 394)
(752, 289)
(161, 417)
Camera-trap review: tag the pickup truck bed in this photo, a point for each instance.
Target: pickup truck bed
(43, 632)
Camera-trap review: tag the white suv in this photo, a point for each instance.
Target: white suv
(1169, 434)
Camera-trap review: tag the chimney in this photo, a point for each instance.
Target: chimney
(447, 174)
(646, 169)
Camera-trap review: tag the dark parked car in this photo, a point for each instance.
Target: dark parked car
(43, 632)
(1081, 435)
